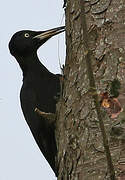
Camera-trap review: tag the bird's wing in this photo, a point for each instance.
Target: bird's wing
(43, 134)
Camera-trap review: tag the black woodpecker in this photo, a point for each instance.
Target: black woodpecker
(39, 89)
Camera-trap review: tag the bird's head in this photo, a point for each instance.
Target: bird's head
(24, 43)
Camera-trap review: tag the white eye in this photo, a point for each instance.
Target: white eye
(26, 35)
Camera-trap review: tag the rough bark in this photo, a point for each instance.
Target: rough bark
(81, 154)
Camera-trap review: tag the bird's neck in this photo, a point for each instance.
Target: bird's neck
(32, 65)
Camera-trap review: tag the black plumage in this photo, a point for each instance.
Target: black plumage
(39, 89)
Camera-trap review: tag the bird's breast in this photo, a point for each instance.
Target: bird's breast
(41, 93)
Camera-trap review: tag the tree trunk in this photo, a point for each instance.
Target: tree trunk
(81, 152)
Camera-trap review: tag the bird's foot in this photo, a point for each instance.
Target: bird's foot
(49, 116)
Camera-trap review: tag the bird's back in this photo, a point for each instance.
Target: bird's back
(40, 91)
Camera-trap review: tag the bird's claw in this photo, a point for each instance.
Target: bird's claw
(49, 116)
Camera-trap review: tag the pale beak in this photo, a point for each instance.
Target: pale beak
(49, 33)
